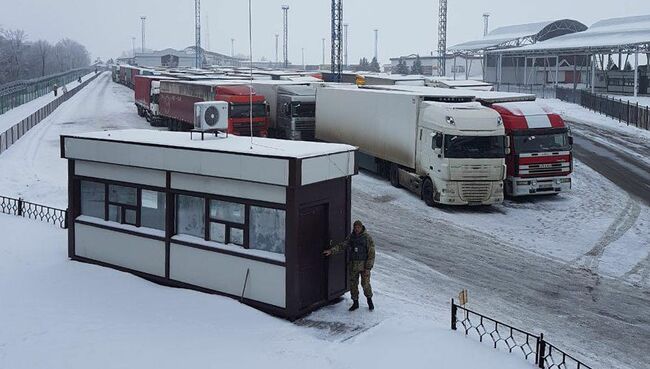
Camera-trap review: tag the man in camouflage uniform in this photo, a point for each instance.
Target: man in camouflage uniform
(361, 258)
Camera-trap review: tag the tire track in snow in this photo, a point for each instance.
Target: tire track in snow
(639, 275)
(590, 261)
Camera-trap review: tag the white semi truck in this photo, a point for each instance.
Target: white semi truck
(441, 145)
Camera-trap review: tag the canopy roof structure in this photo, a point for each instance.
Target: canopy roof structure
(518, 35)
(615, 34)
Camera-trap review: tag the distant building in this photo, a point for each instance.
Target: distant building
(457, 66)
(173, 58)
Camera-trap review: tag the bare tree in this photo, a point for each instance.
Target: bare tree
(43, 50)
(14, 49)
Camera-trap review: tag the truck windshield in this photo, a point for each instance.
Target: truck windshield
(474, 146)
(243, 110)
(303, 110)
(542, 142)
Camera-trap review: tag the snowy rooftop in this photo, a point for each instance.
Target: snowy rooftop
(538, 31)
(608, 33)
(231, 144)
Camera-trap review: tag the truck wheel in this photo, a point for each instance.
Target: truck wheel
(428, 192)
(394, 176)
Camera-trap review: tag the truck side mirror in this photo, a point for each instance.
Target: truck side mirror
(571, 140)
(508, 151)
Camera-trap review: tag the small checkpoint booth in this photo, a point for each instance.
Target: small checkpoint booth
(219, 215)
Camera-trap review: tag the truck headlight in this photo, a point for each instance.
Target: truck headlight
(451, 121)
(523, 183)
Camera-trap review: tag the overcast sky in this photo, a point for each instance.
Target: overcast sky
(405, 27)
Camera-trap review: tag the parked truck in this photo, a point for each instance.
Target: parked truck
(292, 108)
(177, 100)
(147, 96)
(541, 160)
(440, 145)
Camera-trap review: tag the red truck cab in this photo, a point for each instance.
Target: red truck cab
(177, 99)
(540, 160)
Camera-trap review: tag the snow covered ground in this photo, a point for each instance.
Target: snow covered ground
(61, 314)
(574, 266)
(642, 100)
(15, 115)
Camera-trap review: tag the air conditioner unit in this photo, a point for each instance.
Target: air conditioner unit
(211, 116)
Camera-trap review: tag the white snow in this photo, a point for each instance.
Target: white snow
(15, 115)
(232, 144)
(62, 314)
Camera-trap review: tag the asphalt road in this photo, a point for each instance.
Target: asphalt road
(617, 156)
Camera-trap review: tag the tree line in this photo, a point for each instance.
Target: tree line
(21, 58)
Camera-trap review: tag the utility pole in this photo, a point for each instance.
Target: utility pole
(232, 47)
(207, 32)
(345, 48)
(133, 45)
(323, 63)
(285, 35)
(486, 22)
(442, 37)
(376, 44)
(277, 36)
(303, 58)
(337, 38)
(197, 34)
(143, 18)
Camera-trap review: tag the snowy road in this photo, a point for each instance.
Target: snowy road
(621, 157)
(575, 267)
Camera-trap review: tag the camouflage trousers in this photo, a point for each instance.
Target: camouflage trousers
(356, 269)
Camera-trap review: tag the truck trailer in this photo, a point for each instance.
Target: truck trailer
(177, 99)
(292, 108)
(540, 161)
(147, 96)
(441, 145)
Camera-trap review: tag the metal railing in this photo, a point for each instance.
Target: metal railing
(623, 111)
(532, 348)
(22, 208)
(13, 134)
(542, 91)
(16, 93)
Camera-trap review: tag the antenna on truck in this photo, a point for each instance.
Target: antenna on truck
(250, 86)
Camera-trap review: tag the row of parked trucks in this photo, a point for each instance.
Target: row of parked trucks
(449, 146)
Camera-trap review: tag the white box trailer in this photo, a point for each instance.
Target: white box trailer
(441, 145)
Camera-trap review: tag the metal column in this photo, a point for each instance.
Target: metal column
(525, 70)
(593, 73)
(557, 68)
(636, 71)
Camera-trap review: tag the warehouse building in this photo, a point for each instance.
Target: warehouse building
(246, 219)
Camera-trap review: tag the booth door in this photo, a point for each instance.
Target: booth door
(312, 264)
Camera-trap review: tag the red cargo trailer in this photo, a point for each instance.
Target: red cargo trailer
(177, 100)
(147, 94)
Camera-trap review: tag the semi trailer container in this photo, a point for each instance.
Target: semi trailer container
(441, 145)
(177, 99)
(147, 97)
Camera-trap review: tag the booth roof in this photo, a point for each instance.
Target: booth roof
(231, 144)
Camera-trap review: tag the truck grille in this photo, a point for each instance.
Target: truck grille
(472, 172)
(244, 129)
(544, 169)
(475, 191)
(307, 130)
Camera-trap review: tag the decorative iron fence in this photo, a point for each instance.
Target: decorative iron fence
(624, 111)
(532, 348)
(30, 210)
(13, 134)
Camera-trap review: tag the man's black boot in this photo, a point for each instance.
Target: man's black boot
(355, 305)
(371, 306)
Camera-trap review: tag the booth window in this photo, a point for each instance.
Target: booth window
(267, 229)
(92, 199)
(227, 221)
(190, 216)
(152, 209)
(123, 204)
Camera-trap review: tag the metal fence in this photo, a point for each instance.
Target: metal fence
(532, 348)
(16, 93)
(629, 113)
(13, 134)
(34, 211)
(542, 91)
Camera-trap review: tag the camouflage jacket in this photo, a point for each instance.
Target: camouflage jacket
(347, 244)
